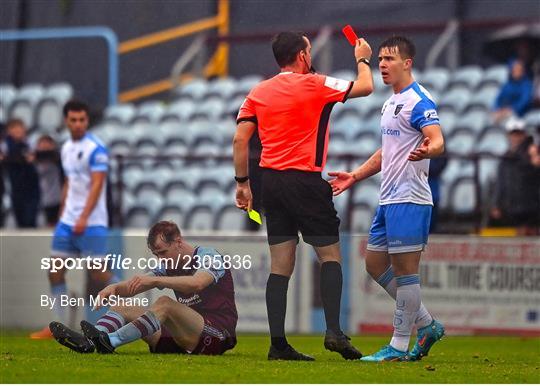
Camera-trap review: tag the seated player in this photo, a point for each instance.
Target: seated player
(201, 321)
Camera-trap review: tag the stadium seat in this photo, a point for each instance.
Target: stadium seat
(223, 88)
(532, 118)
(195, 89)
(210, 108)
(48, 115)
(448, 119)
(457, 98)
(230, 218)
(348, 124)
(474, 120)
(463, 196)
(107, 131)
(203, 214)
(234, 104)
(7, 94)
(226, 127)
(150, 111)
(484, 97)
(468, 76)
(120, 113)
(246, 83)
(147, 147)
(132, 176)
(373, 103)
(455, 170)
(181, 110)
(170, 213)
(364, 143)
(493, 141)
(362, 217)
(25, 102)
(488, 172)
(495, 75)
(434, 79)
(367, 193)
(461, 142)
(203, 130)
(174, 131)
(138, 217)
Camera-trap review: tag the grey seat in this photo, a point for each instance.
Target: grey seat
(181, 110)
(194, 89)
(457, 98)
(469, 76)
(484, 97)
(24, 104)
(7, 94)
(435, 79)
(150, 111)
(448, 120)
(223, 88)
(367, 193)
(210, 108)
(474, 120)
(362, 217)
(230, 218)
(461, 142)
(532, 118)
(495, 75)
(120, 113)
(493, 141)
(463, 196)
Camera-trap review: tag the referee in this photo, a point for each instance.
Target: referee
(291, 112)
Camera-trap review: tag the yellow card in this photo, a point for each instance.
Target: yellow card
(255, 216)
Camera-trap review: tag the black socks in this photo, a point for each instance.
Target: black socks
(331, 285)
(276, 306)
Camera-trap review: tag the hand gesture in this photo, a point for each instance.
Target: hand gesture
(421, 152)
(341, 182)
(138, 284)
(80, 226)
(105, 293)
(244, 198)
(362, 49)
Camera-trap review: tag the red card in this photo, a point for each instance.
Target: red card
(350, 34)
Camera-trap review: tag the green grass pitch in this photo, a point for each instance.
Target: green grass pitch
(453, 360)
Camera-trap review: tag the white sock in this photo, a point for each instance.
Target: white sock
(388, 282)
(407, 307)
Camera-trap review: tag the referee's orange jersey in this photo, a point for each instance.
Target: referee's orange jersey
(292, 111)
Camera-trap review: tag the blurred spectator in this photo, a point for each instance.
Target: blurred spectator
(22, 174)
(49, 168)
(436, 167)
(516, 94)
(517, 190)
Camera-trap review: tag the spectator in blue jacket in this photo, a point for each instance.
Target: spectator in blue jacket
(515, 95)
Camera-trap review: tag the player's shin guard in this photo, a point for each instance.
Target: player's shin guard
(145, 325)
(276, 306)
(110, 322)
(407, 307)
(331, 286)
(388, 282)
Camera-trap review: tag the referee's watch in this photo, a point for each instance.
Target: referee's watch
(363, 60)
(241, 179)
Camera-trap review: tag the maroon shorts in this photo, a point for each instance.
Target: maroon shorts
(213, 341)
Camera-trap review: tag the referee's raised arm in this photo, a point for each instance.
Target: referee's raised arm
(363, 85)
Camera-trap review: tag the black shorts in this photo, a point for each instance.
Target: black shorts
(295, 200)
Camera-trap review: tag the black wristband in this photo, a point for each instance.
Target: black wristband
(363, 60)
(241, 179)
